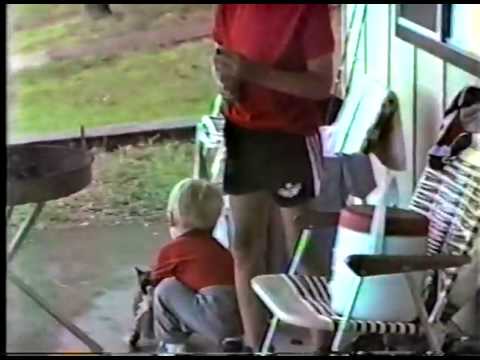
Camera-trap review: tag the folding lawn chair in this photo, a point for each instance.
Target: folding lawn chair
(209, 162)
(449, 198)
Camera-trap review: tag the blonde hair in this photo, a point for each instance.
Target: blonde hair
(195, 204)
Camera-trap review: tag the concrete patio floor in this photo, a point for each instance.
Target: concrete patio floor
(88, 274)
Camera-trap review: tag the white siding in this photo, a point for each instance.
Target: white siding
(423, 83)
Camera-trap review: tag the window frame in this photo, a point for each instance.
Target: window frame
(436, 43)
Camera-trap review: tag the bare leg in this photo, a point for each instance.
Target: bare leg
(321, 340)
(292, 232)
(250, 217)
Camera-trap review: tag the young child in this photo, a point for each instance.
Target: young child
(193, 274)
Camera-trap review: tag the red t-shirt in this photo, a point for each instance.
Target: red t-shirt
(284, 36)
(196, 259)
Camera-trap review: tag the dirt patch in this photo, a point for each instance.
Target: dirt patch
(172, 31)
(33, 23)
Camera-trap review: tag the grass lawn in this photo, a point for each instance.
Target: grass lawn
(129, 185)
(59, 97)
(131, 87)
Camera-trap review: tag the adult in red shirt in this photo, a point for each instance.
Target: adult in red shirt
(274, 66)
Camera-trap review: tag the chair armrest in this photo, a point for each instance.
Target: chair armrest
(313, 219)
(372, 265)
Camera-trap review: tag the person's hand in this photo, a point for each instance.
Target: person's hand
(228, 70)
(229, 65)
(229, 88)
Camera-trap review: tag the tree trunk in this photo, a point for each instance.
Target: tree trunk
(98, 11)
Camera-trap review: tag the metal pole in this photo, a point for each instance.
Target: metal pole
(264, 349)
(10, 212)
(196, 155)
(200, 170)
(82, 137)
(346, 319)
(299, 251)
(22, 233)
(422, 314)
(438, 308)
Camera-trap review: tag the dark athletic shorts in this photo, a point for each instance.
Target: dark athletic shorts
(287, 165)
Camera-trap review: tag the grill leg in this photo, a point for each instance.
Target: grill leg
(9, 213)
(22, 233)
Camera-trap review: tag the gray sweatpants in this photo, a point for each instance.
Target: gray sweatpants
(179, 311)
